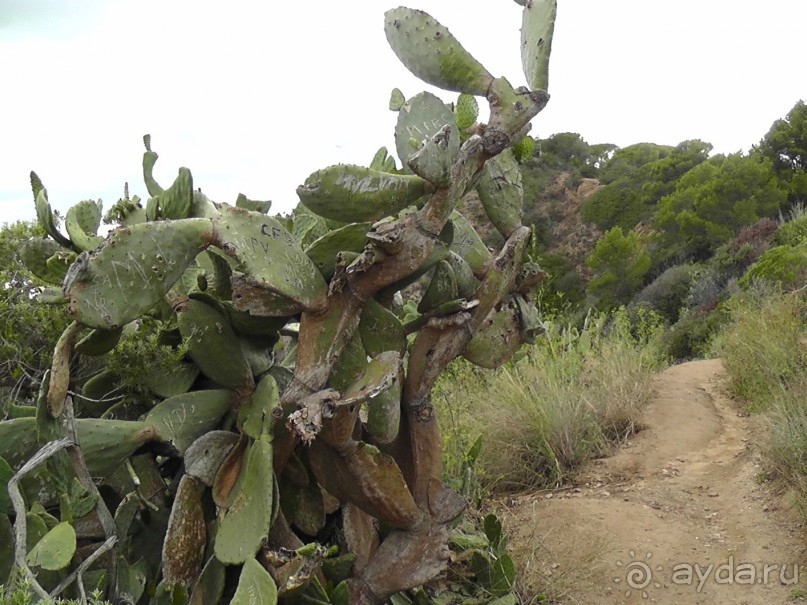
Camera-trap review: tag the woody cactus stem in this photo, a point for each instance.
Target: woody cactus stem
(290, 426)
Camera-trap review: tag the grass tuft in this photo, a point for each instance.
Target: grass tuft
(566, 400)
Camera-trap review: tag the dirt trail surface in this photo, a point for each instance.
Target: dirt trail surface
(678, 516)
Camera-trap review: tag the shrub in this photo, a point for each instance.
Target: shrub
(793, 232)
(667, 293)
(785, 266)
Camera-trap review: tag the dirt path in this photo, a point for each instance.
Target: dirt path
(676, 517)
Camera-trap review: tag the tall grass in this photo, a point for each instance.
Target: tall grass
(563, 401)
(764, 350)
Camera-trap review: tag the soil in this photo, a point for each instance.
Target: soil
(680, 515)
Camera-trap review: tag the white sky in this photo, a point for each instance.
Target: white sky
(253, 96)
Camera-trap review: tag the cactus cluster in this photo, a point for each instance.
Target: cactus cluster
(293, 453)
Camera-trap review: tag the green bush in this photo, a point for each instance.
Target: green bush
(620, 263)
(692, 334)
(793, 232)
(668, 292)
(785, 266)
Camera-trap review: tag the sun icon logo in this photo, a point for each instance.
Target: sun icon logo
(638, 574)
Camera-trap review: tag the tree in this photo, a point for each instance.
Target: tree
(785, 145)
(636, 178)
(620, 263)
(713, 201)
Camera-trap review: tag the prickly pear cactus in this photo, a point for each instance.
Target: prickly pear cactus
(282, 442)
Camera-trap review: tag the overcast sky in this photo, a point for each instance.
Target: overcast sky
(254, 96)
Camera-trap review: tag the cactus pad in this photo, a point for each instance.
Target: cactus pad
(82, 222)
(323, 251)
(419, 119)
(537, 27)
(351, 193)
(246, 523)
(468, 245)
(184, 418)
(269, 257)
(501, 191)
(466, 111)
(213, 345)
(432, 53)
(132, 270)
(496, 340)
(184, 544)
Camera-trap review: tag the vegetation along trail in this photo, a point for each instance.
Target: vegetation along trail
(679, 516)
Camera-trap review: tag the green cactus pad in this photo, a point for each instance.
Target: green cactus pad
(184, 544)
(367, 478)
(419, 120)
(82, 222)
(184, 418)
(466, 110)
(271, 260)
(524, 149)
(379, 375)
(434, 161)
(379, 159)
(258, 353)
(56, 548)
(396, 99)
(255, 586)
(149, 159)
(352, 194)
(35, 254)
(132, 270)
(213, 345)
(246, 523)
(175, 202)
(467, 284)
(501, 191)
(107, 443)
(307, 226)
(210, 586)
(468, 245)
(384, 412)
(217, 269)
(429, 51)
(98, 342)
(349, 365)
(442, 288)
(255, 418)
(323, 251)
(254, 205)
(44, 215)
(204, 457)
(170, 382)
(496, 340)
(381, 330)
(537, 27)
(98, 394)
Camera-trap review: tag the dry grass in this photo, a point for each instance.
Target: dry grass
(562, 402)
